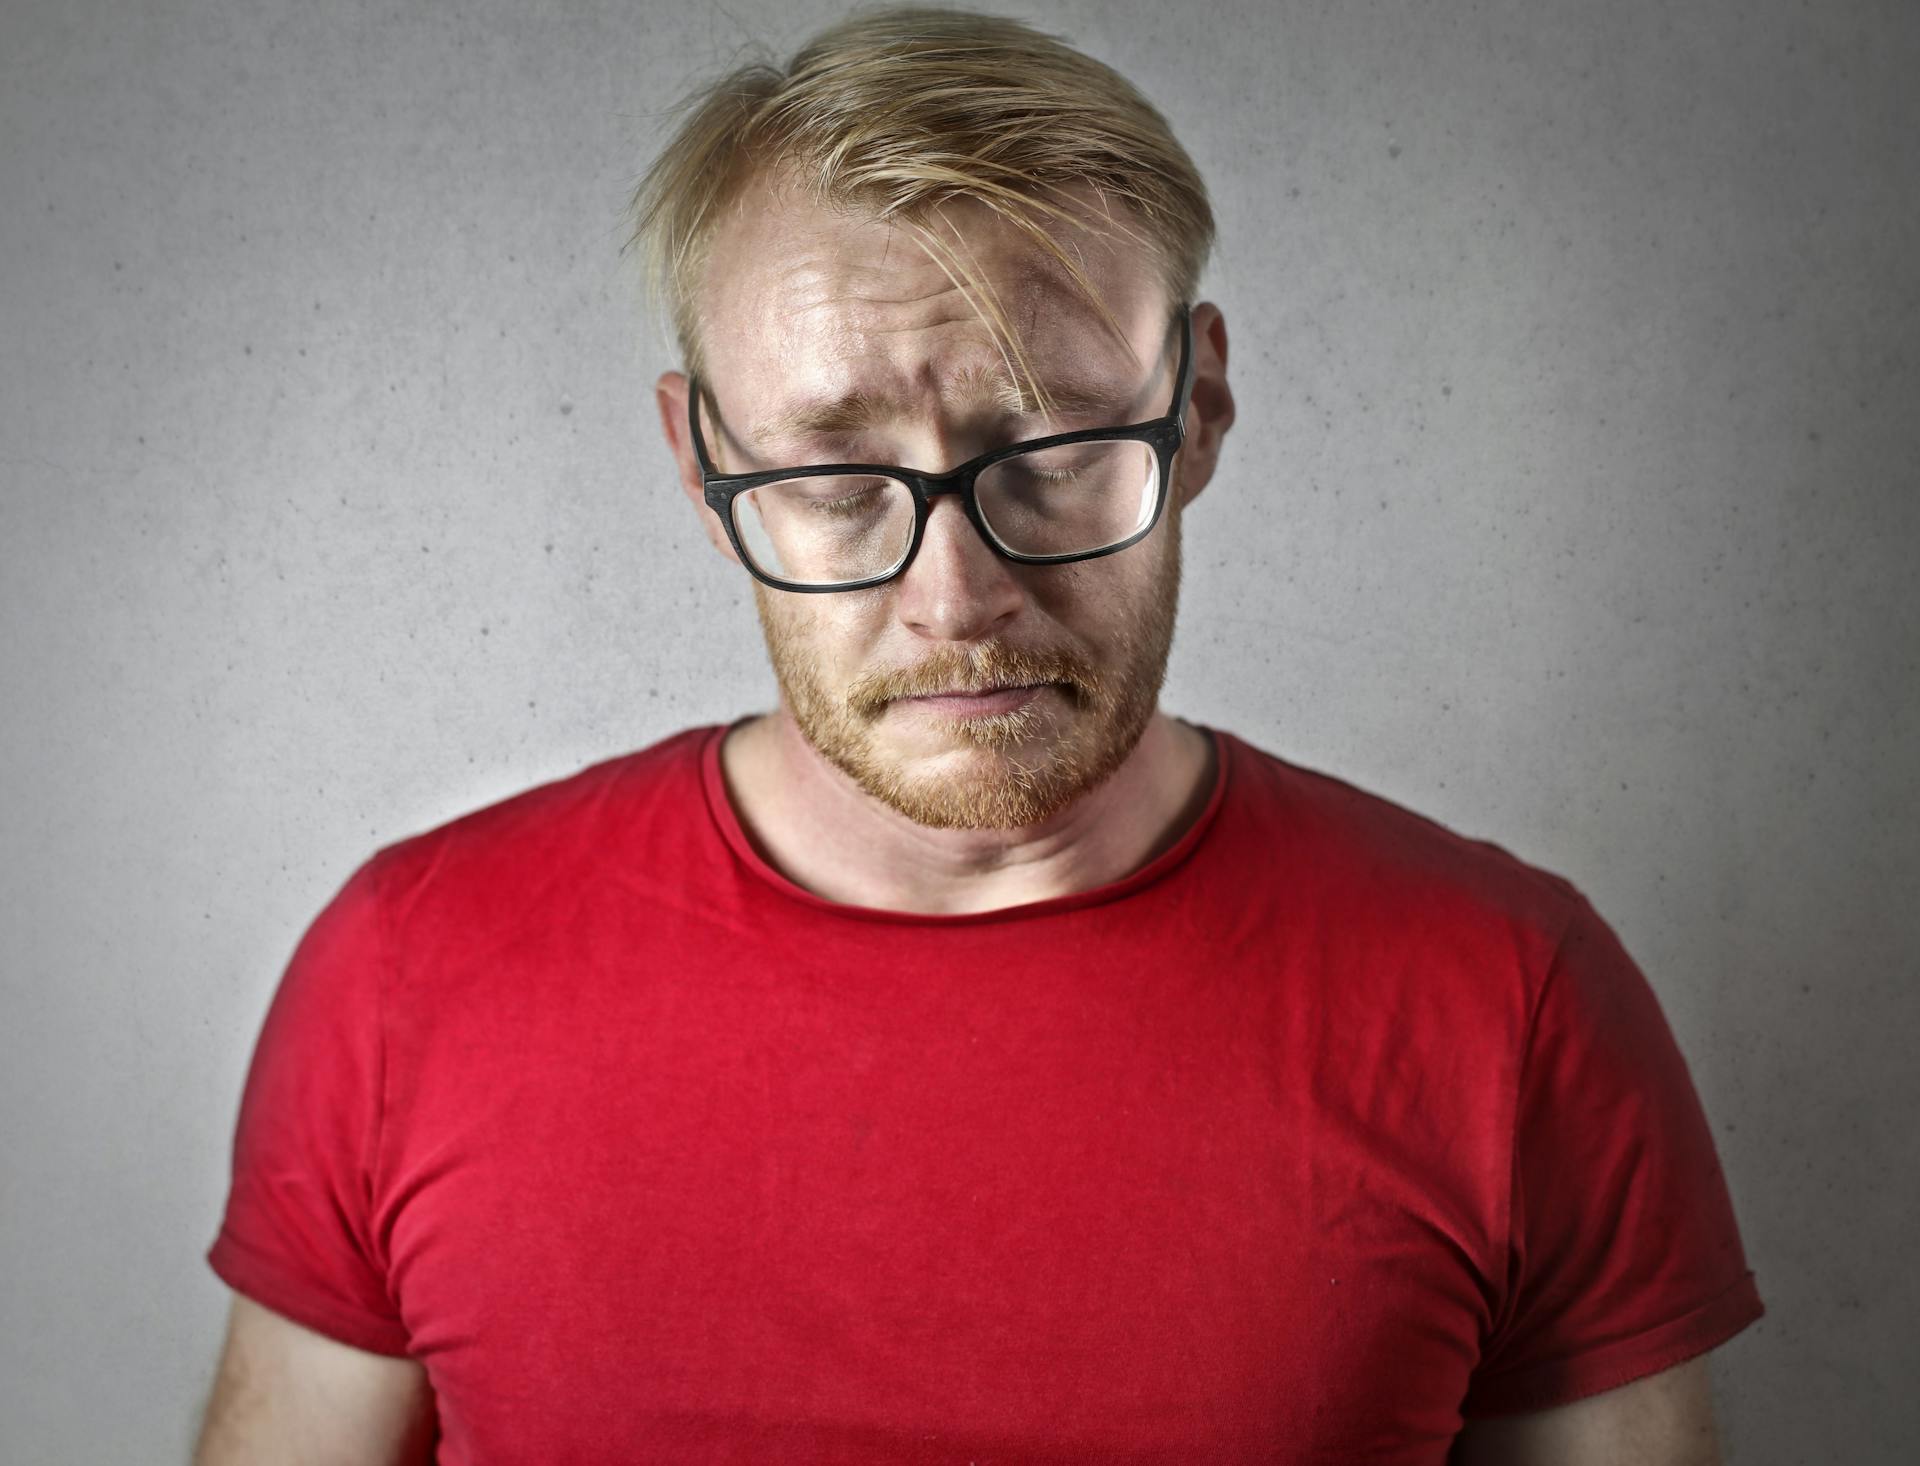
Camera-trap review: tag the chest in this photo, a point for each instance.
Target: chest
(799, 1222)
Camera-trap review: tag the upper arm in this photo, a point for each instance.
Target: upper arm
(1664, 1419)
(1621, 1251)
(284, 1393)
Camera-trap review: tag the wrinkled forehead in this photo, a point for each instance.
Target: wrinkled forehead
(802, 298)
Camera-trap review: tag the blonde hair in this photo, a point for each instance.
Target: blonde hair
(899, 112)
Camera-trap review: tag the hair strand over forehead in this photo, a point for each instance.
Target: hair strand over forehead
(896, 113)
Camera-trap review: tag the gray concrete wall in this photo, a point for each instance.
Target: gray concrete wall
(1573, 502)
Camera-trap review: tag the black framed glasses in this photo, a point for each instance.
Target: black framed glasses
(1045, 501)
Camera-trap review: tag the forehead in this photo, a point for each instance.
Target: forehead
(800, 300)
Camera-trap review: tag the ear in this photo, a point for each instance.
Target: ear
(670, 392)
(1209, 405)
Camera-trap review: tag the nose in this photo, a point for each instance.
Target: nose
(957, 588)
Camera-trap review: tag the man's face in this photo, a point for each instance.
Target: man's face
(805, 306)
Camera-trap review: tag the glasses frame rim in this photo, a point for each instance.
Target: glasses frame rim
(1166, 434)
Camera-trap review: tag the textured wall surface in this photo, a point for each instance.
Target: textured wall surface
(1574, 501)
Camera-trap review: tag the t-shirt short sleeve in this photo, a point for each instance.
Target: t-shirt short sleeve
(298, 1235)
(1623, 1255)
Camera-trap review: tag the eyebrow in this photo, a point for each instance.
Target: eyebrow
(852, 412)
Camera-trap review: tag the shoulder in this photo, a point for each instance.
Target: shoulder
(641, 807)
(1393, 880)
(1355, 836)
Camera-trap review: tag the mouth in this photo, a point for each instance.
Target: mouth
(987, 691)
(980, 702)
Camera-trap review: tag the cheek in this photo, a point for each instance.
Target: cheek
(853, 627)
(1075, 597)
(1099, 602)
(836, 634)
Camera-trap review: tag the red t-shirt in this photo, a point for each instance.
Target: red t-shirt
(1323, 1129)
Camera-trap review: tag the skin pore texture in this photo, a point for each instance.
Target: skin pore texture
(857, 787)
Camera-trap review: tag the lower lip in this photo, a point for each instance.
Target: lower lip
(979, 705)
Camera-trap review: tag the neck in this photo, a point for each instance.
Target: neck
(823, 832)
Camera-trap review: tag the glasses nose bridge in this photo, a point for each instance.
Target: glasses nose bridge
(958, 481)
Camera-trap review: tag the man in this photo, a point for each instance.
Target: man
(965, 1061)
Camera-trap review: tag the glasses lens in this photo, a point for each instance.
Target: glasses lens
(1070, 499)
(825, 529)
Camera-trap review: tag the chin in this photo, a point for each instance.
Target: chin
(1005, 772)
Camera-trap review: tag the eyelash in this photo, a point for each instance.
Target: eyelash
(842, 508)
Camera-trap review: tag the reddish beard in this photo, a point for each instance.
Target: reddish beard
(1021, 767)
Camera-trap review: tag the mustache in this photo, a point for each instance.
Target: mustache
(975, 668)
